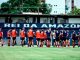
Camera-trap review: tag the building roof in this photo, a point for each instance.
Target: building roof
(45, 15)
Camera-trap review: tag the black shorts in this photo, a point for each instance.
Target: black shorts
(45, 38)
(64, 38)
(61, 38)
(73, 38)
(49, 39)
(0, 38)
(30, 38)
(67, 38)
(57, 38)
(38, 39)
(42, 40)
(8, 38)
(22, 38)
(14, 38)
(54, 40)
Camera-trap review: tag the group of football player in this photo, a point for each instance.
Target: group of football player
(48, 37)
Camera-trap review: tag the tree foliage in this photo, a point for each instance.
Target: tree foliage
(18, 6)
(75, 11)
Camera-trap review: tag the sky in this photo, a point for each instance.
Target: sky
(1, 1)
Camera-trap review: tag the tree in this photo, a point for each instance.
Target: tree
(4, 7)
(75, 11)
(46, 8)
(19, 6)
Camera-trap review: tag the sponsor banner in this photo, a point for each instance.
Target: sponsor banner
(39, 25)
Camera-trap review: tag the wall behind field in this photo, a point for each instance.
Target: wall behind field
(74, 20)
(2, 20)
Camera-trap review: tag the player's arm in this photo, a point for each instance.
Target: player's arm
(27, 33)
(51, 34)
(16, 33)
(34, 33)
(2, 34)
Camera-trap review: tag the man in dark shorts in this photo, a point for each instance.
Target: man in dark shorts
(78, 39)
(38, 38)
(9, 36)
(30, 37)
(57, 39)
(67, 39)
(22, 36)
(61, 38)
(1, 36)
(48, 32)
(73, 38)
(64, 38)
(42, 38)
(53, 33)
(45, 37)
(14, 34)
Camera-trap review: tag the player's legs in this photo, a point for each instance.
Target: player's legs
(30, 41)
(0, 41)
(41, 42)
(64, 43)
(79, 43)
(61, 42)
(54, 43)
(37, 42)
(8, 41)
(22, 42)
(68, 43)
(48, 42)
(73, 43)
(14, 41)
(58, 43)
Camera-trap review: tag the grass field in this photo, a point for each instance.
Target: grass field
(34, 53)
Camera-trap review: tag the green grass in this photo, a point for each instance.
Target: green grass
(34, 53)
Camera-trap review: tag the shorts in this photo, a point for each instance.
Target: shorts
(8, 38)
(45, 38)
(38, 39)
(0, 38)
(57, 38)
(22, 38)
(14, 38)
(49, 39)
(61, 38)
(42, 40)
(54, 40)
(73, 38)
(30, 38)
(64, 38)
(67, 38)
